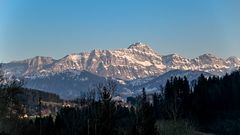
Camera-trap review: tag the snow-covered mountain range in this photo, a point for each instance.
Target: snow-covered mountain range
(137, 62)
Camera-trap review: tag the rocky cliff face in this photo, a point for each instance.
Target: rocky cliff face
(136, 61)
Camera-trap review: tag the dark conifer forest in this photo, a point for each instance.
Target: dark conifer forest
(209, 106)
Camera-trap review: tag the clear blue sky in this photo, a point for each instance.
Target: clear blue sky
(59, 27)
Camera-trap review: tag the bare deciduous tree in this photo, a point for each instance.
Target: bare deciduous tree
(107, 91)
(10, 107)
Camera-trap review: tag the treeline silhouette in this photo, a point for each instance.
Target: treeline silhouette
(210, 105)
